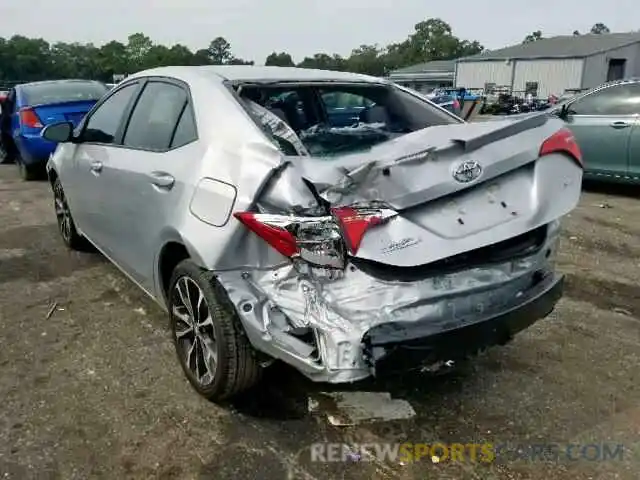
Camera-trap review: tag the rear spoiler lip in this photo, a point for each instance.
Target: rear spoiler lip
(471, 144)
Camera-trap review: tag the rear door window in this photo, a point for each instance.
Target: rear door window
(185, 132)
(155, 116)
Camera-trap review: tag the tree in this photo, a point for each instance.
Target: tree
(576, 33)
(600, 28)
(281, 59)
(29, 59)
(201, 57)
(112, 59)
(432, 39)
(219, 51)
(239, 61)
(533, 37)
(367, 59)
(324, 61)
(138, 47)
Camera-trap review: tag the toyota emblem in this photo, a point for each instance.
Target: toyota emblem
(467, 171)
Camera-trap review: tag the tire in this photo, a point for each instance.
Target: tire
(5, 156)
(236, 367)
(70, 236)
(28, 173)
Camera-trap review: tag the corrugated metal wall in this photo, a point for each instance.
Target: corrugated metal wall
(476, 74)
(596, 66)
(553, 76)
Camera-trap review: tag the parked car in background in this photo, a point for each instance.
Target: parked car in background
(30, 107)
(448, 102)
(407, 239)
(605, 122)
(4, 158)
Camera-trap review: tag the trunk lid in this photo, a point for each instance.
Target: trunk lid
(72, 112)
(456, 187)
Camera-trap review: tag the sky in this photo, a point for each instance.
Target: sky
(255, 28)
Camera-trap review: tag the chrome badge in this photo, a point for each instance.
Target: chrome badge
(467, 171)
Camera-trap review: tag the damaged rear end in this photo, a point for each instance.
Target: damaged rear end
(424, 248)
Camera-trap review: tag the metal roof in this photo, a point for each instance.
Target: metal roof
(567, 46)
(438, 66)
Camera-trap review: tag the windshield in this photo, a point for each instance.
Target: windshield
(63, 91)
(329, 119)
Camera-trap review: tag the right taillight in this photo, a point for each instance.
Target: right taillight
(29, 118)
(322, 240)
(562, 141)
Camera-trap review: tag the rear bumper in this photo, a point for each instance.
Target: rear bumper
(403, 346)
(33, 148)
(356, 325)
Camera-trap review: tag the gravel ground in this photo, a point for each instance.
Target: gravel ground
(95, 391)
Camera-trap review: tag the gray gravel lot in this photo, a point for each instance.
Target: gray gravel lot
(94, 391)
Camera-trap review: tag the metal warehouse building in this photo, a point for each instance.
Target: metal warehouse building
(553, 65)
(426, 76)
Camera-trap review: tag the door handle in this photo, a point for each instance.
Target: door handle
(620, 124)
(96, 166)
(162, 180)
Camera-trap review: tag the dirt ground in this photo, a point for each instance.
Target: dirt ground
(95, 391)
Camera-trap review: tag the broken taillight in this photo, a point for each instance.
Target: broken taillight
(323, 240)
(356, 221)
(562, 141)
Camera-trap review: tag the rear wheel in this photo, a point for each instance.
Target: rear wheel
(212, 349)
(28, 173)
(67, 227)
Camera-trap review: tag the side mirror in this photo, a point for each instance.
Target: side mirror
(58, 132)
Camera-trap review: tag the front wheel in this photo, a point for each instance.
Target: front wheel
(214, 353)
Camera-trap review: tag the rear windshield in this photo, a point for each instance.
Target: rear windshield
(328, 119)
(57, 92)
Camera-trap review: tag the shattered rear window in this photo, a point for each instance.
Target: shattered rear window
(330, 120)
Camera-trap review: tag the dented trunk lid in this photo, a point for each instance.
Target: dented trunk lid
(455, 188)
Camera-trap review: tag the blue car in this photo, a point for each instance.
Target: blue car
(448, 102)
(29, 107)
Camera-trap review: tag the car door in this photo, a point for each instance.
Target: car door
(97, 142)
(602, 122)
(634, 148)
(145, 181)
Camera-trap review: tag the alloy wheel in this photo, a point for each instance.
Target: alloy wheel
(63, 214)
(194, 331)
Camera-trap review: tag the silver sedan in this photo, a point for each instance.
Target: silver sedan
(333, 221)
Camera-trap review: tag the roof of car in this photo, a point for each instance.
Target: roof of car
(251, 73)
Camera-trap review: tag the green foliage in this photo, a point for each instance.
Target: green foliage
(533, 37)
(600, 28)
(30, 59)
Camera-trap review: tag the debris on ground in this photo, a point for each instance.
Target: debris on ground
(361, 407)
(51, 310)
